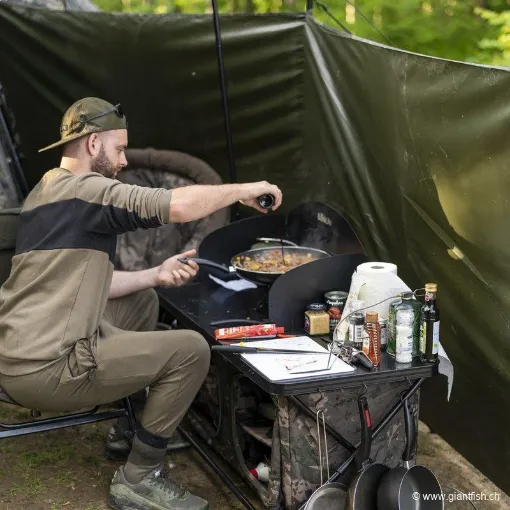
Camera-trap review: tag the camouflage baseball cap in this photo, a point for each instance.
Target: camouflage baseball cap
(89, 115)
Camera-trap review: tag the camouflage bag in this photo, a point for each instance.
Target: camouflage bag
(293, 458)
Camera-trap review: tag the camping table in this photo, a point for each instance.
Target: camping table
(198, 304)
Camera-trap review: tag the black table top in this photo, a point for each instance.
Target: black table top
(198, 304)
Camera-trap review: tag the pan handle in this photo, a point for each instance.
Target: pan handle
(363, 452)
(409, 452)
(275, 240)
(206, 263)
(234, 321)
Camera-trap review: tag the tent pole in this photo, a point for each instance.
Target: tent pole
(224, 99)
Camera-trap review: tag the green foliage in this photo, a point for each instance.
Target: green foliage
(466, 30)
(496, 49)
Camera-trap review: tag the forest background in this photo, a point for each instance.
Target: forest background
(476, 31)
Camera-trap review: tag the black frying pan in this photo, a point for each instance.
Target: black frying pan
(403, 488)
(362, 493)
(259, 277)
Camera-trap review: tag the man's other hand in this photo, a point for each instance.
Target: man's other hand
(172, 273)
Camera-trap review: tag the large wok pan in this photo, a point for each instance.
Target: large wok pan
(260, 277)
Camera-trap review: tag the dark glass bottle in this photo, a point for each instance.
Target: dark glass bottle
(429, 332)
(357, 325)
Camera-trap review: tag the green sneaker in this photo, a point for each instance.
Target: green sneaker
(118, 443)
(155, 492)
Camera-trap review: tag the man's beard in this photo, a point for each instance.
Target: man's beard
(102, 165)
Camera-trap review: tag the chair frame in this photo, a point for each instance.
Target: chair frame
(60, 422)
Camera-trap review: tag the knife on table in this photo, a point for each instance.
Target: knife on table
(239, 349)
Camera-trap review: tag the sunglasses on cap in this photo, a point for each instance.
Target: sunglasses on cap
(84, 120)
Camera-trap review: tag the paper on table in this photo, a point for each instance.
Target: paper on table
(279, 367)
(235, 285)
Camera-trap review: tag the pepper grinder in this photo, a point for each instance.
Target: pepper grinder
(266, 201)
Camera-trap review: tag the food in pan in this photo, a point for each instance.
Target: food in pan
(272, 261)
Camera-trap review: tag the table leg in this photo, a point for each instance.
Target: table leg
(218, 470)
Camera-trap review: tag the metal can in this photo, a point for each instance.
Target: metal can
(383, 323)
(335, 301)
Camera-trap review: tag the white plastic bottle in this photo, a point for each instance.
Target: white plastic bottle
(404, 343)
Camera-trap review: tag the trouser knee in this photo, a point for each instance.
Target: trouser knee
(199, 351)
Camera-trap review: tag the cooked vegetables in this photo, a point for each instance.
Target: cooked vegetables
(272, 261)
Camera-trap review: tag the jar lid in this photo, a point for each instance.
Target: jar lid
(431, 287)
(372, 316)
(336, 294)
(316, 307)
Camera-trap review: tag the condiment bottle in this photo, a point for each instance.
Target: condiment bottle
(409, 303)
(404, 342)
(372, 340)
(357, 324)
(429, 334)
(384, 333)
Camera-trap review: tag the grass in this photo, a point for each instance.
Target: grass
(66, 470)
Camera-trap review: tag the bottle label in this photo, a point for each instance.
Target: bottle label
(423, 336)
(404, 352)
(356, 334)
(366, 343)
(435, 345)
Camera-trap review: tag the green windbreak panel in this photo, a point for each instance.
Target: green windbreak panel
(164, 71)
(414, 151)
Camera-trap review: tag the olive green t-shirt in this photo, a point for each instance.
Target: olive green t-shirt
(62, 269)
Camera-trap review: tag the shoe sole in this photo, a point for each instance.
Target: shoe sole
(119, 503)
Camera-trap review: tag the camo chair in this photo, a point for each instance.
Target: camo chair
(9, 222)
(143, 249)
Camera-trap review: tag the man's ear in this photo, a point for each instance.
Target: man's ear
(93, 144)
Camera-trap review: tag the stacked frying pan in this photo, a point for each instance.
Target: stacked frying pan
(376, 486)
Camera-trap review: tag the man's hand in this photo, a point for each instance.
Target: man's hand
(172, 273)
(252, 190)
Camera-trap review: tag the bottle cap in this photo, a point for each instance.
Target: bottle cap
(407, 295)
(316, 307)
(372, 317)
(431, 287)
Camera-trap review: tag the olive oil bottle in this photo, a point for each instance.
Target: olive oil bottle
(429, 332)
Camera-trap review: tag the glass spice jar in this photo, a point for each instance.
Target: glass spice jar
(316, 319)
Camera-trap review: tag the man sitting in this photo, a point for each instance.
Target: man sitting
(73, 330)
